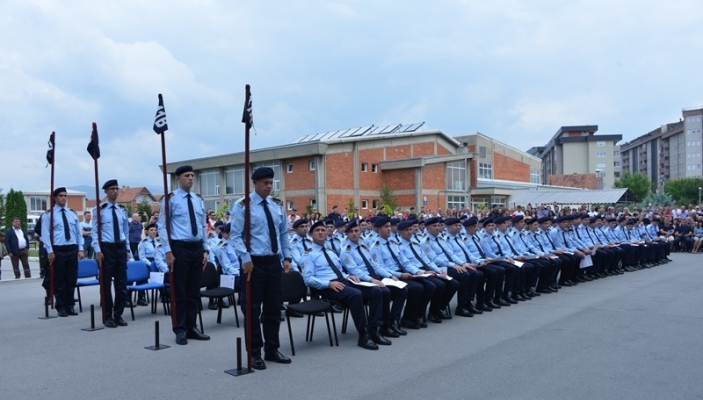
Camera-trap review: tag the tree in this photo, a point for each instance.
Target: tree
(15, 206)
(351, 208)
(684, 191)
(388, 197)
(638, 183)
(657, 199)
(2, 210)
(144, 207)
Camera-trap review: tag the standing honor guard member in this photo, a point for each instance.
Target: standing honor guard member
(64, 253)
(262, 264)
(186, 254)
(112, 253)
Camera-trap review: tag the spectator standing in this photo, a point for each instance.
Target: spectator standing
(3, 251)
(135, 235)
(86, 229)
(17, 244)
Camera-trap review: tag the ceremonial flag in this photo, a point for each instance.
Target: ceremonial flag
(93, 146)
(50, 152)
(160, 124)
(247, 118)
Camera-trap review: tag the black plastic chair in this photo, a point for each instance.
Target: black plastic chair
(293, 288)
(212, 278)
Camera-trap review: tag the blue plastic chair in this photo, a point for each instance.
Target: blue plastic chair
(138, 271)
(86, 269)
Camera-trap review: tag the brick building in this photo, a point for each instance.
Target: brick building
(38, 201)
(424, 168)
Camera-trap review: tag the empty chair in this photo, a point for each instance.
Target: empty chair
(138, 271)
(211, 278)
(87, 273)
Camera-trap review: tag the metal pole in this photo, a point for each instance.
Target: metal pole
(101, 279)
(247, 225)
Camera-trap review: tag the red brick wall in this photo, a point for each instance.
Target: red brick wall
(584, 181)
(433, 177)
(406, 201)
(301, 177)
(299, 202)
(339, 171)
(508, 169)
(400, 179)
(423, 149)
(441, 151)
(339, 200)
(369, 180)
(397, 152)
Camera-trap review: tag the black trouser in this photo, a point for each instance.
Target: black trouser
(134, 248)
(569, 267)
(397, 297)
(187, 273)
(65, 275)
(541, 265)
(114, 270)
(443, 295)
(528, 273)
(428, 291)
(548, 275)
(470, 285)
(414, 300)
(495, 277)
(353, 297)
(266, 291)
(628, 254)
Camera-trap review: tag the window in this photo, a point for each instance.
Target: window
(214, 204)
(616, 153)
(364, 204)
(600, 144)
(600, 174)
(455, 201)
(313, 203)
(209, 183)
(616, 163)
(456, 175)
(38, 203)
(535, 176)
(364, 167)
(290, 205)
(485, 170)
(312, 164)
(499, 200)
(290, 168)
(374, 168)
(600, 154)
(600, 165)
(276, 166)
(482, 151)
(617, 174)
(234, 180)
(374, 204)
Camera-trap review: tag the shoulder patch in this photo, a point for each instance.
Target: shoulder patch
(348, 248)
(198, 194)
(376, 243)
(276, 200)
(145, 240)
(308, 251)
(363, 246)
(103, 205)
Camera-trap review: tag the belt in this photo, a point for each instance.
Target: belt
(183, 243)
(114, 245)
(271, 258)
(66, 247)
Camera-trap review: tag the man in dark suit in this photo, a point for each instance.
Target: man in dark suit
(17, 244)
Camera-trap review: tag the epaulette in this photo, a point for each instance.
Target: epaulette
(308, 251)
(222, 244)
(394, 242)
(145, 240)
(103, 205)
(295, 239)
(277, 201)
(348, 248)
(121, 206)
(363, 246)
(198, 194)
(376, 243)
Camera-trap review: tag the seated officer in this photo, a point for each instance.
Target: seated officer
(150, 250)
(333, 243)
(322, 271)
(357, 260)
(227, 261)
(299, 243)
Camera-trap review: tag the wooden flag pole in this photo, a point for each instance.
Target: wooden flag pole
(247, 223)
(101, 277)
(52, 140)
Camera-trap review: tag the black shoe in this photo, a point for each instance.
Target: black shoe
(293, 314)
(120, 322)
(580, 279)
(366, 343)
(257, 363)
(434, 319)
(71, 311)
(527, 295)
(483, 307)
(567, 283)
(378, 339)
(396, 327)
(277, 357)
(410, 324)
(463, 312)
(473, 310)
(492, 305)
(212, 305)
(444, 314)
(509, 300)
(63, 313)
(194, 333)
(534, 293)
(110, 323)
(181, 338)
(389, 332)
(501, 302)
(421, 322)
(554, 288)
(544, 290)
(337, 309)
(142, 302)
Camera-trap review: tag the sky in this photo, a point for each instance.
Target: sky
(513, 70)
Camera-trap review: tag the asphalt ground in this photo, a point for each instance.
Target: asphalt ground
(633, 336)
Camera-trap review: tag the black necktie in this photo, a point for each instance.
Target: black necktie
(577, 233)
(588, 232)
(563, 234)
(446, 253)
(66, 231)
(336, 271)
(424, 264)
(395, 258)
(468, 259)
(115, 225)
(511, 246)
(519, 235)
(305, 246)
(191, 212)
(539, 244)
(332, 244)
(550, 240)
(500, 249)
(372, 272)
(272, 227)
(478, 247)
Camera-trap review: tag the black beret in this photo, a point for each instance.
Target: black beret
(463, 217)
(218, 223)
(352, 224)
(340, 223)
(585, 216)
(530, 221)
(623, 218)
(317, 225)
(452, 221)
(630, 222)
(412, 216)
(414, 221)
(371, 220)
(226, 228)
(494, 206)
(482, 220)
(183, 169)
(611, 219)
(559, 219)
(395, 221)
(487, 221)
(655, 219)
(328, 221)
(262, 173)
(299, 222)
(470, 222)
(404, 225)
(593, 220)
(517, 218)
(431, 221)
(151, 225)
(380, 221)
(501, 220)
(110, 183)
(58, 190)
(646, 221)
(543, 220)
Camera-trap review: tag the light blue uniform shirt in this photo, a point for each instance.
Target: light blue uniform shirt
(353, 263)
(74, 228)
(180, 219)
(106, 222)
(424, 252)
(560, 240)
(260, 239)
(381, 254)
(153, 249)
(459, 250)
(442, 256)
(227, 257)
(298, 246)
(317, 271)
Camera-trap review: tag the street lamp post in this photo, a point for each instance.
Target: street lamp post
(699, 195)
